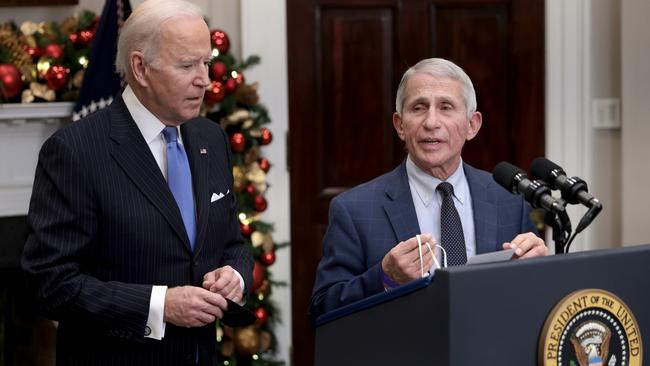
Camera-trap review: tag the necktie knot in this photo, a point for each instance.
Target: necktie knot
(170, 133)
(446, 189)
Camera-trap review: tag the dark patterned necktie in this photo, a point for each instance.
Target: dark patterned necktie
(451, 228)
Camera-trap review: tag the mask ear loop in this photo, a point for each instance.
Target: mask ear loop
(435, 260)
(417, 237)
(444, 255)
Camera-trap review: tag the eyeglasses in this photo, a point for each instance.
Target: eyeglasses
(435, 260)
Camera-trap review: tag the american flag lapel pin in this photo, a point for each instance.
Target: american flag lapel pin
(203, 151)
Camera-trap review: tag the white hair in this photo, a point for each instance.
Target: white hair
(438, 67)
(141, 31)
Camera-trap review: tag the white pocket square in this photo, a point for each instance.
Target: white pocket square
(216, 197)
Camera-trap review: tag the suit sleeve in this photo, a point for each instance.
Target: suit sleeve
(343, 276)
(64, 224)
(236, 254)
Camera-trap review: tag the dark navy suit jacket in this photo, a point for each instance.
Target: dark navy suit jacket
(105, 228)
(368, 220)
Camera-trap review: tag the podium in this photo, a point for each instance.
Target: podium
(488, 314)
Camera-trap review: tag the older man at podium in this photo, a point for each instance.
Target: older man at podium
(382, 233)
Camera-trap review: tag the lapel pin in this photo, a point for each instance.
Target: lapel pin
(203, 151)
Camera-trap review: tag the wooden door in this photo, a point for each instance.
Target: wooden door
(345, 60)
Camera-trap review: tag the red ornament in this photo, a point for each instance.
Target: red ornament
(220, 40)
(237, 142)
(261, 315)
(10, 81)
(267, 137)
(258, 275)
(33, 52)
(231, 85)
(218, 70)
(85, 37)
(268, 258)
(215, 92)
(57, 76)
(259, 203)
(54, 51)
(250, 189)
(246, 229)
(240, 78)
(264, 164)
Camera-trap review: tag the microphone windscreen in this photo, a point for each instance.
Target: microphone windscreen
(543, 168)
(504, 173)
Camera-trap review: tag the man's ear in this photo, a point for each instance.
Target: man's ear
(475, 123)
(139, 68)
(399, 125)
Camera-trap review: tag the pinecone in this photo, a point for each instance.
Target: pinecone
(17, 54)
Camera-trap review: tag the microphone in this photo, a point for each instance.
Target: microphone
(536, 192)
(574, 190)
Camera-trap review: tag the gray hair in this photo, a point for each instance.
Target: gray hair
(141, 31)
(438, 67)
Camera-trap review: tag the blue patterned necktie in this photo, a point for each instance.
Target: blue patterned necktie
(451, 228)
(179, 179)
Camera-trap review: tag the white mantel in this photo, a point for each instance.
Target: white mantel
(23, 129)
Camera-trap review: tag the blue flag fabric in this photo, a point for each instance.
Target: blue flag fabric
(101, 82)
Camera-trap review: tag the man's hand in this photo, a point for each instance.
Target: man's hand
(402, 263)
(190, 306)
(527, 245)
(225, 282)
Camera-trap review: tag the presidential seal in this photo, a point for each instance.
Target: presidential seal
(590, 328)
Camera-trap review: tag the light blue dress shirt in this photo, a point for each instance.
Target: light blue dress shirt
(427, 203)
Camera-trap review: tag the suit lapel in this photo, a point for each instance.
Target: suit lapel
(199, 165)
(132, 154)
(399, 205)
(485, 211)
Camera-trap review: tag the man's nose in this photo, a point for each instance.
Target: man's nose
(203, 79)
(432, 119)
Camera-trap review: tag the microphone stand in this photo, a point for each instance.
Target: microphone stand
(561, 223)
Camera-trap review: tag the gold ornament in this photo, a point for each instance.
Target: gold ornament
(29, 28)
(251, 156)
(255, 174)
(229, 332)
(267, 244)
(257, 238)
(236, 117)
(255, 132)
(247, 340)
(239, 179)
(260, 187)
(265, 341)
(78, 79)
(27, 96)
(246, 94)
(42, 91)
(227, 348)
(19, 57)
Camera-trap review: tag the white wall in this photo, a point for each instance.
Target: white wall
(264, 34)
(635, 70)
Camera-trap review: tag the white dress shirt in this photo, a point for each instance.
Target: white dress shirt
(427, 203)
(151, 128)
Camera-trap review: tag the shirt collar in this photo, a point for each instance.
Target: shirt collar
(425, 184)
(148, 124)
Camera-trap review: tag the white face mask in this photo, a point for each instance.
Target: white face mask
(436, 264)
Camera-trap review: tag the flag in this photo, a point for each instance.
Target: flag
(101, 82)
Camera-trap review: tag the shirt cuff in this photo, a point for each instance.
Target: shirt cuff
(155, 322)
(387, 281)
(242, 285)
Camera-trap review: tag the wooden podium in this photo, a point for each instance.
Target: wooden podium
(489, 314)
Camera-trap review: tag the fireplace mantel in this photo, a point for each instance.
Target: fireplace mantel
(23, 129)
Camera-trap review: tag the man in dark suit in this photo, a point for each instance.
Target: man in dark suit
(135, 242)
(377, 234)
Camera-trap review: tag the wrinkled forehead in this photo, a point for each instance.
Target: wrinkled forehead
(424, 85)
